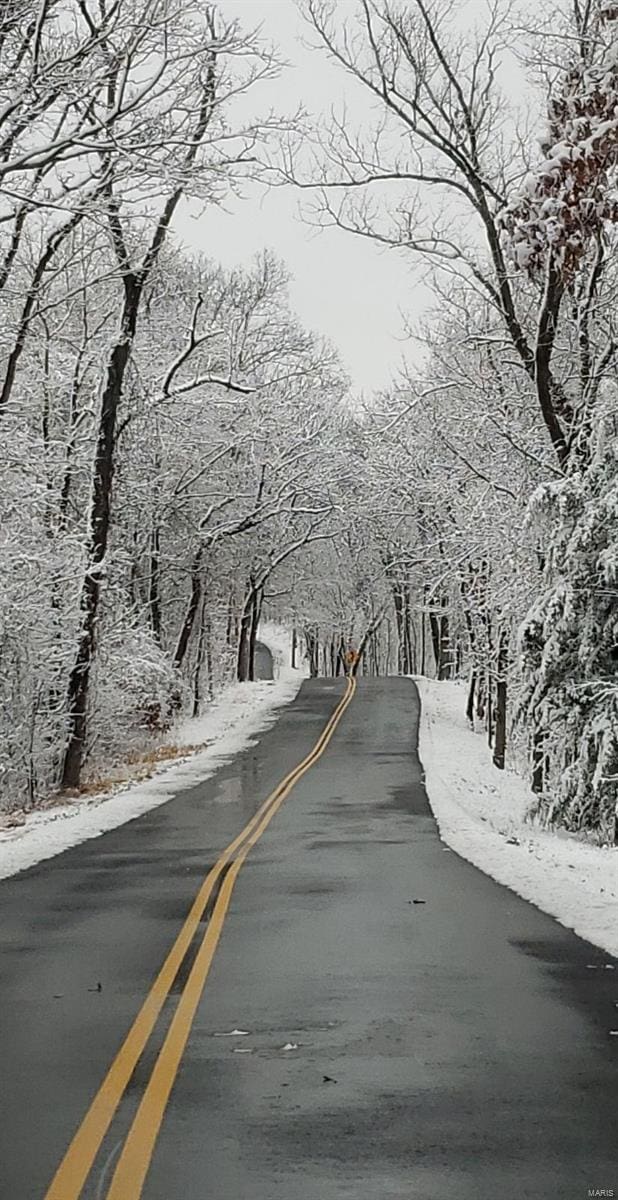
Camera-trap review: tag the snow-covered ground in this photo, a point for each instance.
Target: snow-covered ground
(228, 725)
(482, 812)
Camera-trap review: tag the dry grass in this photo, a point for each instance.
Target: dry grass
(137, 767)
(157, 754)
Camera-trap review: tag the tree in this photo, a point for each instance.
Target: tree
(570, 643)
(525, 273)
(192, 121)
(442, 150)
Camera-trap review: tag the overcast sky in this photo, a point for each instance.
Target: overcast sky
(342, 286)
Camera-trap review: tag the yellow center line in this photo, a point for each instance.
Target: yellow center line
(76, 1165)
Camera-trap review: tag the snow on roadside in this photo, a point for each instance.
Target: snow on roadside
(481, 813)
(229, 725)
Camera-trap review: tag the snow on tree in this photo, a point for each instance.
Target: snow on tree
(568, 198)
(570, 643)
(182, 458)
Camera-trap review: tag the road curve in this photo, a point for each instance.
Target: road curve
(455, 1049)
(264, 666)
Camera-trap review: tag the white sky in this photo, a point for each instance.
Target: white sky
(350, 289)
(343, 286)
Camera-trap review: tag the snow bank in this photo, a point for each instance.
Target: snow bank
(229, 725)
(481, 813)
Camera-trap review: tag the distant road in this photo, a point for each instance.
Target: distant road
(263, 662)
(379, 1021)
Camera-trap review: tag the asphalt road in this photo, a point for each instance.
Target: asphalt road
(263, 662)
(456, 1049)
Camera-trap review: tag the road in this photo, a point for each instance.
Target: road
(263, 662)
(455, 1049)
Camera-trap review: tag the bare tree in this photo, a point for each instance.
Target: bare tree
(435, 173)
(194, 149)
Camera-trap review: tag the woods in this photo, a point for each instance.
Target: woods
(505, 447)
(182, 458)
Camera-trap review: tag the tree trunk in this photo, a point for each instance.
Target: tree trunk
(470, 703)
(154, 584)
(399, 621)
(436, 645)
(408, 644)
(67, 481)
(192, 610)
(243, 663)
(481, 696)
(499, 756)
(294, 647)
(413, 644)
(249, 620)
(244, 647)
(458, 658)
(403, 617)
(209, 663)
(369, 633)
(373, 656)
(423, 637)
(79, 679)
(230, 630)
(445, 669)
(313, 649)
(446, 665)
(199, 660)
(100, 515)
(256, 612)
(538, 761)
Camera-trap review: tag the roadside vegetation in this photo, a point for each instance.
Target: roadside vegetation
(182, 459)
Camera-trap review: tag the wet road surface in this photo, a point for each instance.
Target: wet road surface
(456, 1049)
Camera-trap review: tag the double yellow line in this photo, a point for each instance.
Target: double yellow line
(132, 1166)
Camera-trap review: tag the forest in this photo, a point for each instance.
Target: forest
(181, 458)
